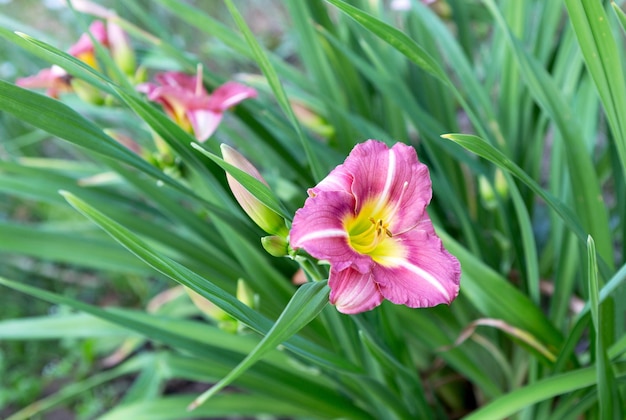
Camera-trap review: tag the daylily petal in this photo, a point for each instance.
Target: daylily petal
(120, 47)
(318, 228)
(353, 292)
(339, 179)
(204, 122)
(230, 94)
(175, 101)
(54, 79)
(391, 181)
(427, 276)
(84, 44)
(182, 81)
(186, 101)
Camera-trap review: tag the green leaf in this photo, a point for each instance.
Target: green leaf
(83, 251)
(204, 287)
(604, 62)
(60, 326)
(608, 394)
(395, 38)
(586, 187)
(60, 120)
(542, 390)
(272, 78)
(222, 406)
(306, 304)
(480, 147)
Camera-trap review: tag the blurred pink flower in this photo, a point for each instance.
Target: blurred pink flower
(56, 80)
(112, 37)
(403, 5)
(368, 219)
(186, 101)
(83, 49)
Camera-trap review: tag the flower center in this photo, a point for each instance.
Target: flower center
(368, 230)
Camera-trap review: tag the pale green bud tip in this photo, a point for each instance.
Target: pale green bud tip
(245, 294)
(487, 193)
(276, 246)
(208, 307)
(121, 50)
(502, 188)
(267, 219)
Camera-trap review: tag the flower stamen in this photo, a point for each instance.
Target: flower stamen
(367, 241)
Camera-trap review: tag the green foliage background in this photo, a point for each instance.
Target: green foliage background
(529, 195)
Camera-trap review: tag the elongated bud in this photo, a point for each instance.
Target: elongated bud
(87, 92)
(121, 50)
(245, 294)
(311, 120)
(276, 246)
(208, 308)
(266, 218)
(500, 183)
(487, 193)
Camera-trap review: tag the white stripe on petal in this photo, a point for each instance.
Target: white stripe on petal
(321, 234)
(401, 262)
(384, 195)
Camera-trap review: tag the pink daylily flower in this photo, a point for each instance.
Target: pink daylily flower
(54, 79)
(112, 37)
(185, 100)
(84, 50)
(368, 219)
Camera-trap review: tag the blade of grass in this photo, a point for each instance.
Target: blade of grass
(608, 395)
(73, 390)
(480, 147)
(604, 62)
(304, 306)
(262, 60)
(205, 288)
(516, 400)
(587, 195)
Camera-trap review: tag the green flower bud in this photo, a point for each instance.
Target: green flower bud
(276, 246)
(266, 218)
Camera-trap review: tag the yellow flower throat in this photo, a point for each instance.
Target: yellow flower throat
(369, 233)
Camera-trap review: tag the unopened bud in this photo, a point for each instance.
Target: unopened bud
(487, 193)
(276, 246)
(502, 188)
(87, 92)
(266, 218)
(213, 312)
(311, 120)
(245, 294)
(121, 51)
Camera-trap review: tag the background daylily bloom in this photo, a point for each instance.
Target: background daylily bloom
(54, 79)
(84, 49)
(186, 101)
(368, 219)
(111, 36)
